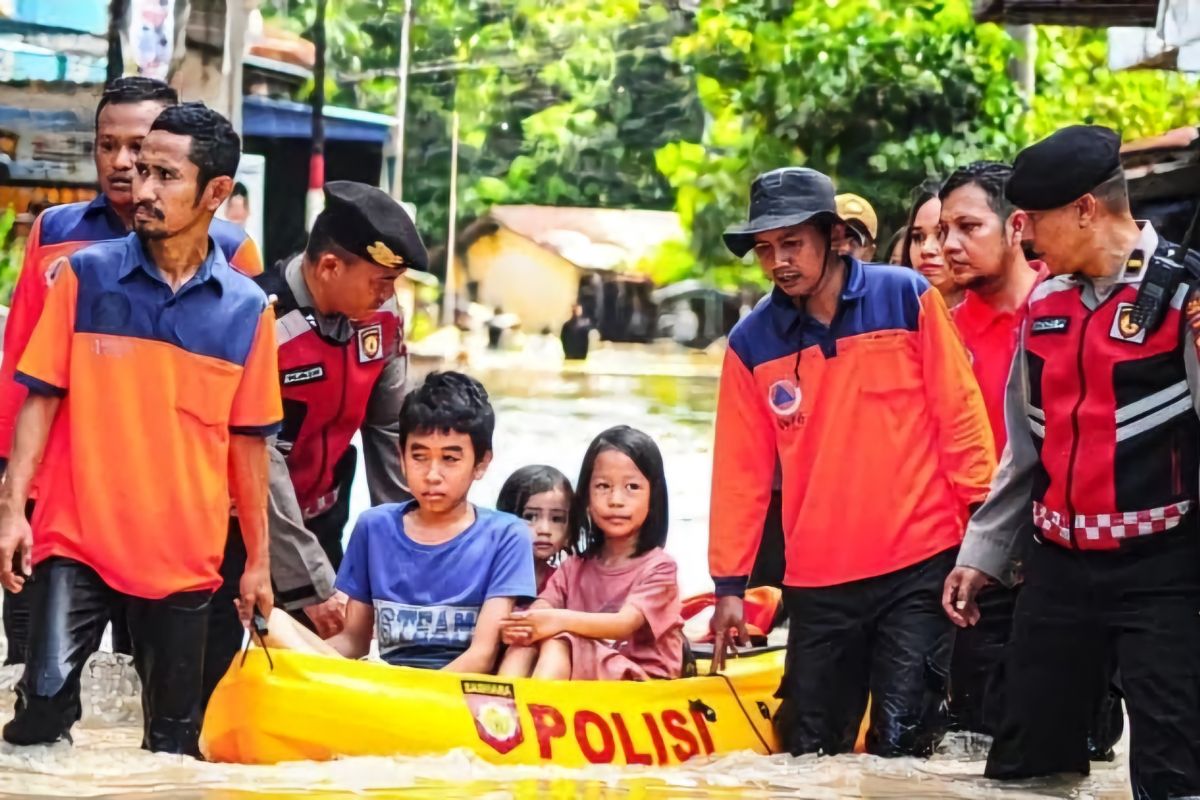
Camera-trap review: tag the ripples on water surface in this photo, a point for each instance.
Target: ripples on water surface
(543, 417)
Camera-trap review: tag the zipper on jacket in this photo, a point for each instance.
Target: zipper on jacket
(1087, 320)
(338, 415)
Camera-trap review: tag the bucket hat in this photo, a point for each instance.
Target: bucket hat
(782, 198)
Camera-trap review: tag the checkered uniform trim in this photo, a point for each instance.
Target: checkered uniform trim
(1107, 531)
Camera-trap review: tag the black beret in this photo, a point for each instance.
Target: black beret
(368, 223)
(1063, 167)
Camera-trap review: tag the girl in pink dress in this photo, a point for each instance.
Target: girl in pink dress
(542, 496)
(612, 613)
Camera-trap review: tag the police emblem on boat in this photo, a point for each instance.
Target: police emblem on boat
(494, 709)
(370, 343)
(784, 398)
(1125, 328)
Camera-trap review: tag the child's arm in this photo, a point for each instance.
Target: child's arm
(544, 623)
(355, 639)
(481, 656)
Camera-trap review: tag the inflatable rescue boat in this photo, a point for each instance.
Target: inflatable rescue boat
(288, 706)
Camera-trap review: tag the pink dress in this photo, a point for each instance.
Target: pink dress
(648, 583)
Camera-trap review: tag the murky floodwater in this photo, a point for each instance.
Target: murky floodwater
(544, 416)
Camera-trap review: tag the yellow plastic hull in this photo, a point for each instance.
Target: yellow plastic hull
(311, 707)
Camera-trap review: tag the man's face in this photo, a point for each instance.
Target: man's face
(120, 130)
(166, 187)
(794, 258)
(855, 242)
(1058, 237)
(237, 210)
(354, 286)
(976, 243)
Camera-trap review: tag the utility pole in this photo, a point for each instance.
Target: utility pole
(316, 161)
(237, 14)
(448, 291)
(116, 15)
(1026, 63)
(401, 104)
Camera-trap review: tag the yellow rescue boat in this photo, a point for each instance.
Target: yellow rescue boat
(299, 706)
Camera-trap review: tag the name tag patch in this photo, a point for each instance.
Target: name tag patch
(1049, 325)
(301, 375)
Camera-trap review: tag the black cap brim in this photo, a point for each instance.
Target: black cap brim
(740, 238)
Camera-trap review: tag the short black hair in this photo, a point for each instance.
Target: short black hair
(644, 453)
(135, 89)
(921, 194)
(216, 148)
(449, 402)
(240, 190)
(990, 176)
(321, 241)
(1113, 193)
(536, 479)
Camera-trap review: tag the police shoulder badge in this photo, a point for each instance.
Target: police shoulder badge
(384, 256)
(370, 343)
(1125, 328)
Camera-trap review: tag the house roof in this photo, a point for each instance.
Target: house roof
(589, 238)
(1090, 13)
(1163, 173)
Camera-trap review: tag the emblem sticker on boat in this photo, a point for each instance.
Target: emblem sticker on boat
(494, 709)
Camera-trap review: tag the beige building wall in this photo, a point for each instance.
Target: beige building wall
(523, 279)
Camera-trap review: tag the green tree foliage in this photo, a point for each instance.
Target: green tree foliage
(636, 103)
(1076, 86)
(561, 103)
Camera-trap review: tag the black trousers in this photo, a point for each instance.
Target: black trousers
(16, 619)
(1079, 615)
(886, 636)
(70, 605)
(771, 561)
(977, 666)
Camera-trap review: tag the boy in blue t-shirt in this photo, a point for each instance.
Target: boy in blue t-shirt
(435, 576)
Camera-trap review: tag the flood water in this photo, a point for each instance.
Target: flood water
(544, 416)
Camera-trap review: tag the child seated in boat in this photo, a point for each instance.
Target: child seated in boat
(613, 612)
(436, 575)
(542, 496)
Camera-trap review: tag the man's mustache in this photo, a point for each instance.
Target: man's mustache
(149, 208)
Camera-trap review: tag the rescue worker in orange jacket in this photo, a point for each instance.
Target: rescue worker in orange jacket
(1103, 464)
(853, 375)
(124, 114)
(343, 370)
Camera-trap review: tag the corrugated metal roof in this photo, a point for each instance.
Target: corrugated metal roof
(1089, 13)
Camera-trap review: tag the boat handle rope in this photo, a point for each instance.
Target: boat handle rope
(258, 627)
(745, 713)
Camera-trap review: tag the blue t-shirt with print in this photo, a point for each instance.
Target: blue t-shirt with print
(427, 597)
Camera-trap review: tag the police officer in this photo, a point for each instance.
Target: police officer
(342, 369)
(1104, 459)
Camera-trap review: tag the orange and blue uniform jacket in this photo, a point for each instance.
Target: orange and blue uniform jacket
(153, 382)
(878, 425)
(57, 233)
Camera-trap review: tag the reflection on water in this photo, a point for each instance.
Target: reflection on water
(543, 417)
